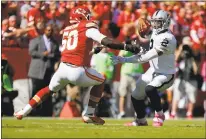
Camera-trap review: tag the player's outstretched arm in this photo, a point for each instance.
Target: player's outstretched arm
(109, 42)
(151, 54)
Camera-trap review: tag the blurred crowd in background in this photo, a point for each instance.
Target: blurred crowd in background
(23, 22)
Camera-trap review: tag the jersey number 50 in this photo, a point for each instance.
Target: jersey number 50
(70, 40)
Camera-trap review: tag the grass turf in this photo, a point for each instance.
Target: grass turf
(74, 128)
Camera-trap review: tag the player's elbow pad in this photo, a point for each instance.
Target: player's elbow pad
(112, 43)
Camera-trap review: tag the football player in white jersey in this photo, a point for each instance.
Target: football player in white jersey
(160, 75)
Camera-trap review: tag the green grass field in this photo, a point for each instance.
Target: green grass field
(74, 128)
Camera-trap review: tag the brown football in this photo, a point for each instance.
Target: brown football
(143, 26)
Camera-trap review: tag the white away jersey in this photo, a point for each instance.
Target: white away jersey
(165, 42)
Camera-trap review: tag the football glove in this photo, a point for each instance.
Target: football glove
(117, 59)
(97, 49)
(132, 48)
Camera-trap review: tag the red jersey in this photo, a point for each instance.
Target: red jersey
(126, 17)
(184, 26)
(200, 29)
(76, 45)
(33, 17)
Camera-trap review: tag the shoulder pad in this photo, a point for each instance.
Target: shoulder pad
(92, 24)
(71, 27)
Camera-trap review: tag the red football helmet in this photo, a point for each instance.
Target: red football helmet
(79, 13)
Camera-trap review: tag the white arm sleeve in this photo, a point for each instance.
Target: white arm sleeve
(142, 58)
(94, 34)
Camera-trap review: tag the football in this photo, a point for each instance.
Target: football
(143, 26)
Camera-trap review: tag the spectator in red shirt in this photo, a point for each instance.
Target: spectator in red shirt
(4, 34)
(23, 12)
(143, 9)
(12, 23)
(35, 19)
(70, 5)
(13, 41)
(174, 26)
(52, 12)
(183, 24)
(63, 12)
(126, 16)
(9, 36)
(163, 6)
(152, 7)
(105, 18)
(198, 33)
(98, 10)
(126, 20)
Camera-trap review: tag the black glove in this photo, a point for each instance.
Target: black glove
(133, 48)
(97, 49)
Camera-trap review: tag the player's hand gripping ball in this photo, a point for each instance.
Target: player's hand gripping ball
(143, 26)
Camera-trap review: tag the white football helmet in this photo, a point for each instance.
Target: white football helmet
(160, 21)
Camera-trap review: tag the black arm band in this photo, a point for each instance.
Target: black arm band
(111, 43)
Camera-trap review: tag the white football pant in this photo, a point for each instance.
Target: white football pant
(158, 80)
(80, 76)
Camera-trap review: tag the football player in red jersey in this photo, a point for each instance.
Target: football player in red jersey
(74, 68)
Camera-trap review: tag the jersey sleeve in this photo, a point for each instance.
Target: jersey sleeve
(162, 44)
(94, 34)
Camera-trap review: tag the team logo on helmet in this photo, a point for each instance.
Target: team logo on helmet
(80, 13)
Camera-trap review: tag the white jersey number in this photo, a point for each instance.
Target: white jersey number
(70, 40)
(164, 43)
